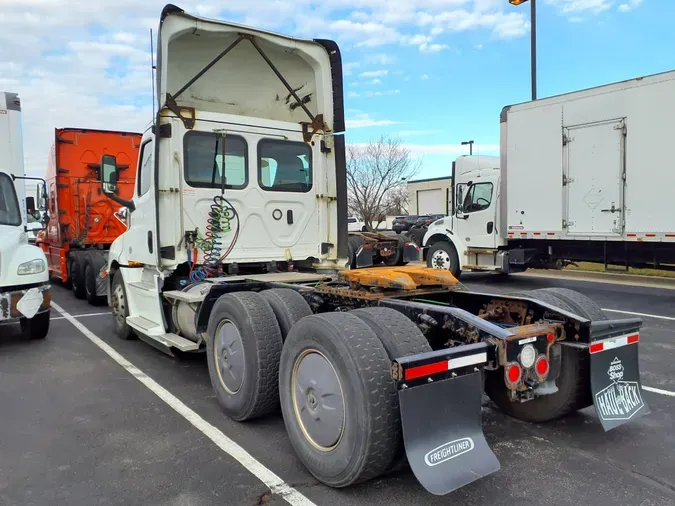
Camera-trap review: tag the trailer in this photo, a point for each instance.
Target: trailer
(25, 293)
(577, 180)
(84, 221)
(368, 366)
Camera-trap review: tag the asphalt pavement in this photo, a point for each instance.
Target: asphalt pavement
(79, 426)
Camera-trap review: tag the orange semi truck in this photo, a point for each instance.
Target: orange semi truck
(83, 222)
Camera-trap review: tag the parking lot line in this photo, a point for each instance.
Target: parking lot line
(275, 483)
(659, 391)
(79, 315)
(647, 315)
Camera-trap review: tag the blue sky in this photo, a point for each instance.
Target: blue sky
(434, 73)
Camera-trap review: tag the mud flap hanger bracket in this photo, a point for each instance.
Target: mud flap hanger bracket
(316, 122)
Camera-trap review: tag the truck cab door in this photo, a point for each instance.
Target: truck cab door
(140, 240)
(476, 212)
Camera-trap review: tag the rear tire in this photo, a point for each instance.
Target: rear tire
(339, 359)
(90, 284)
(288, 306)
(397, 257)
(243, 349)
(76, 276)
(573, 381)
(36, 327)
(354, 242)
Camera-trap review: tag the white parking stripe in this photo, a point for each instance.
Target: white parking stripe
(659, 391)
(275, 483)
(647, 315)
(79, 315)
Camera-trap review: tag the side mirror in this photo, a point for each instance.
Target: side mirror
(30, 205)
(109, 174)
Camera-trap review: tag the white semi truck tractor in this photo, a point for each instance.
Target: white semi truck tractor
(24, 280)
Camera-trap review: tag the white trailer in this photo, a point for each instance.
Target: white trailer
(24, 288)
(581, 177)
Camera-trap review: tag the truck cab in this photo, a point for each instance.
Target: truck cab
(238, 173)
(469, 237)
(24, 288)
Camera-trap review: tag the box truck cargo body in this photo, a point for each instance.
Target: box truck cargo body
(581, 177)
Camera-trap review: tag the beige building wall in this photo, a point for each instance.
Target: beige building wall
(430, 196)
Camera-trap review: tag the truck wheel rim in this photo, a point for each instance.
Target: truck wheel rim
(318, 400)
(440, 260)
(118, 305)
(228, 350)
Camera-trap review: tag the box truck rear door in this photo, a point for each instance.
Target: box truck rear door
(593, 179)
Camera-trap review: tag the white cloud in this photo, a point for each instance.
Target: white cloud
(353, 94)
(432, 48)
(347, 68)
(376, 81)
(630, 5)
(424, 77)
(363, 120)
(374, 73)
(380, 59)
(581, 6)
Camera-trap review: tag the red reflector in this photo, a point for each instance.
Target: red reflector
(633, 339)
(426, 370)
(542, 366)
(550, 337)
(596, 347)
(513, 373)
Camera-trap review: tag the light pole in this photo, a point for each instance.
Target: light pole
(533, 41)
(470, 144)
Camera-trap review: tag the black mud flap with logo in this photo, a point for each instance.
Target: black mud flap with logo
(441, 419)
(615, 374)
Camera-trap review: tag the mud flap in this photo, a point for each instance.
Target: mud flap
(443, 436)
(615, 380)
(411, 252)
(364, 256)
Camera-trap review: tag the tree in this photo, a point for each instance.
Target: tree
(377, 173)
(397, 202)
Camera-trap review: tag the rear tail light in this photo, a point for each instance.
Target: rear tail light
(513, 373)
(542, 366)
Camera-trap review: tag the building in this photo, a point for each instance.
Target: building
(430, 196)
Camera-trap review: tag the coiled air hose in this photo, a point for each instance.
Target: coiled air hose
(219, 222)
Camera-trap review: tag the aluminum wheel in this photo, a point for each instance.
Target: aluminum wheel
(318, 400)
(118, 305)
(440, 260)
(228, 351)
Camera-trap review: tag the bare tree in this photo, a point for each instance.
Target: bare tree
(376, 173)
(397, 202)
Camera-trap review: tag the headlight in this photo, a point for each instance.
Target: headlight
(33, 267)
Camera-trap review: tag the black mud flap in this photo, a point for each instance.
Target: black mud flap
(443, 434)
(411, 252)
(364, 256)
(615, 379)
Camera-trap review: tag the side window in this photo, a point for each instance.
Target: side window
(284, 166)
(478, 198)
(145, 169)
(203, 160)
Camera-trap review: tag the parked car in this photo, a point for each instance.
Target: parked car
(403, 223)
(428, 219)
(355, 225)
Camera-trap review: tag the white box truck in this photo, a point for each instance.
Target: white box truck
(580, 177)
(24, 280)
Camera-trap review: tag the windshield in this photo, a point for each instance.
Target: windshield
(9, 205)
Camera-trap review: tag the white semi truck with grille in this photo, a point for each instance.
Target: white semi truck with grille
(580, 177)
(24, 280)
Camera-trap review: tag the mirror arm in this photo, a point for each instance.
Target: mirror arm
(124, 202)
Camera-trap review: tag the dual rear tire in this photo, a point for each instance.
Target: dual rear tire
(329, 373)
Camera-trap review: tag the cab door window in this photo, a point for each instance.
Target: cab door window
(478, 198)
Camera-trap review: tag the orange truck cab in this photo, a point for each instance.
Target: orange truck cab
(83, 222)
